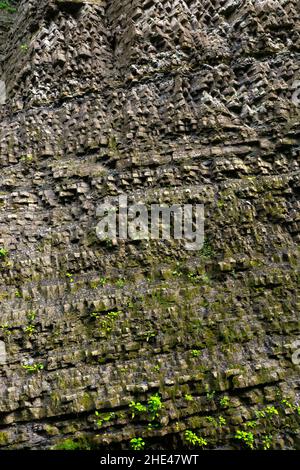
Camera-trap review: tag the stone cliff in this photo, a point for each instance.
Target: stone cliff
(171, 101)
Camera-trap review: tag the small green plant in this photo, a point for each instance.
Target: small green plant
(199, 278)
(113, 315)
(27, 159)
(247, 437)
(192, 438)
(267, 441)
(30, 330)
(217, 423)
(188, 397)
(224, 401)
(291, 406)
(137, 408)
(195, 352)
(210, 395)
(5, 329)
(103, 281)
(69, 444)
(6, 5)
(107, 321)
(251, 424)
(95, 315)
(120, 283)
(32, 368)
(31, 316)
(147, 335)
(103, 418)
(205, 279)
(105, 326)
(267, 412)
(222, 421)
(99, 421)
(112, 143)
(24, 47)
(3, 253)
(153, 425)
(271, 411)
(212, 420)
(70, 277)
(94, 284)
(287, 404)
(155, 405)
(260, 414)
(177, 273)
(207, 250)
(18, 294)
(137, 443)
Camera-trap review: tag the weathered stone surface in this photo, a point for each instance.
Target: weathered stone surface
(174, 102)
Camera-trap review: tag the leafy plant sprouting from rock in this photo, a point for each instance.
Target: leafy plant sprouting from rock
(267, 412)
(188, 397)
(207, 250)
(291, 406)
(245, 436)
(5, 328)
(137, 408)
(192, 438)
(210, 394)
(216, 422)
(33, 368)
(70, 277)
(262, 428)
(24, 47)
(155, 405)
(151, 409)
(267, 441)
(106, 321)
(6, 5)
(70, 444)
(195, 352)
(103, 418)
(3, 253)
(137, 443)
(120, 283)
(225, 401)
(30, 329)
(4, 258)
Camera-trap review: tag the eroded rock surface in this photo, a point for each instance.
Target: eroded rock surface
(178, 101)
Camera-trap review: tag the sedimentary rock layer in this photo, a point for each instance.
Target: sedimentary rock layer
(186, 101)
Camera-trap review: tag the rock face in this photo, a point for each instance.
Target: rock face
(176, 101)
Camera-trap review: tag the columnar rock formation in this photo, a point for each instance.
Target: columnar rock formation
(174, 101)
